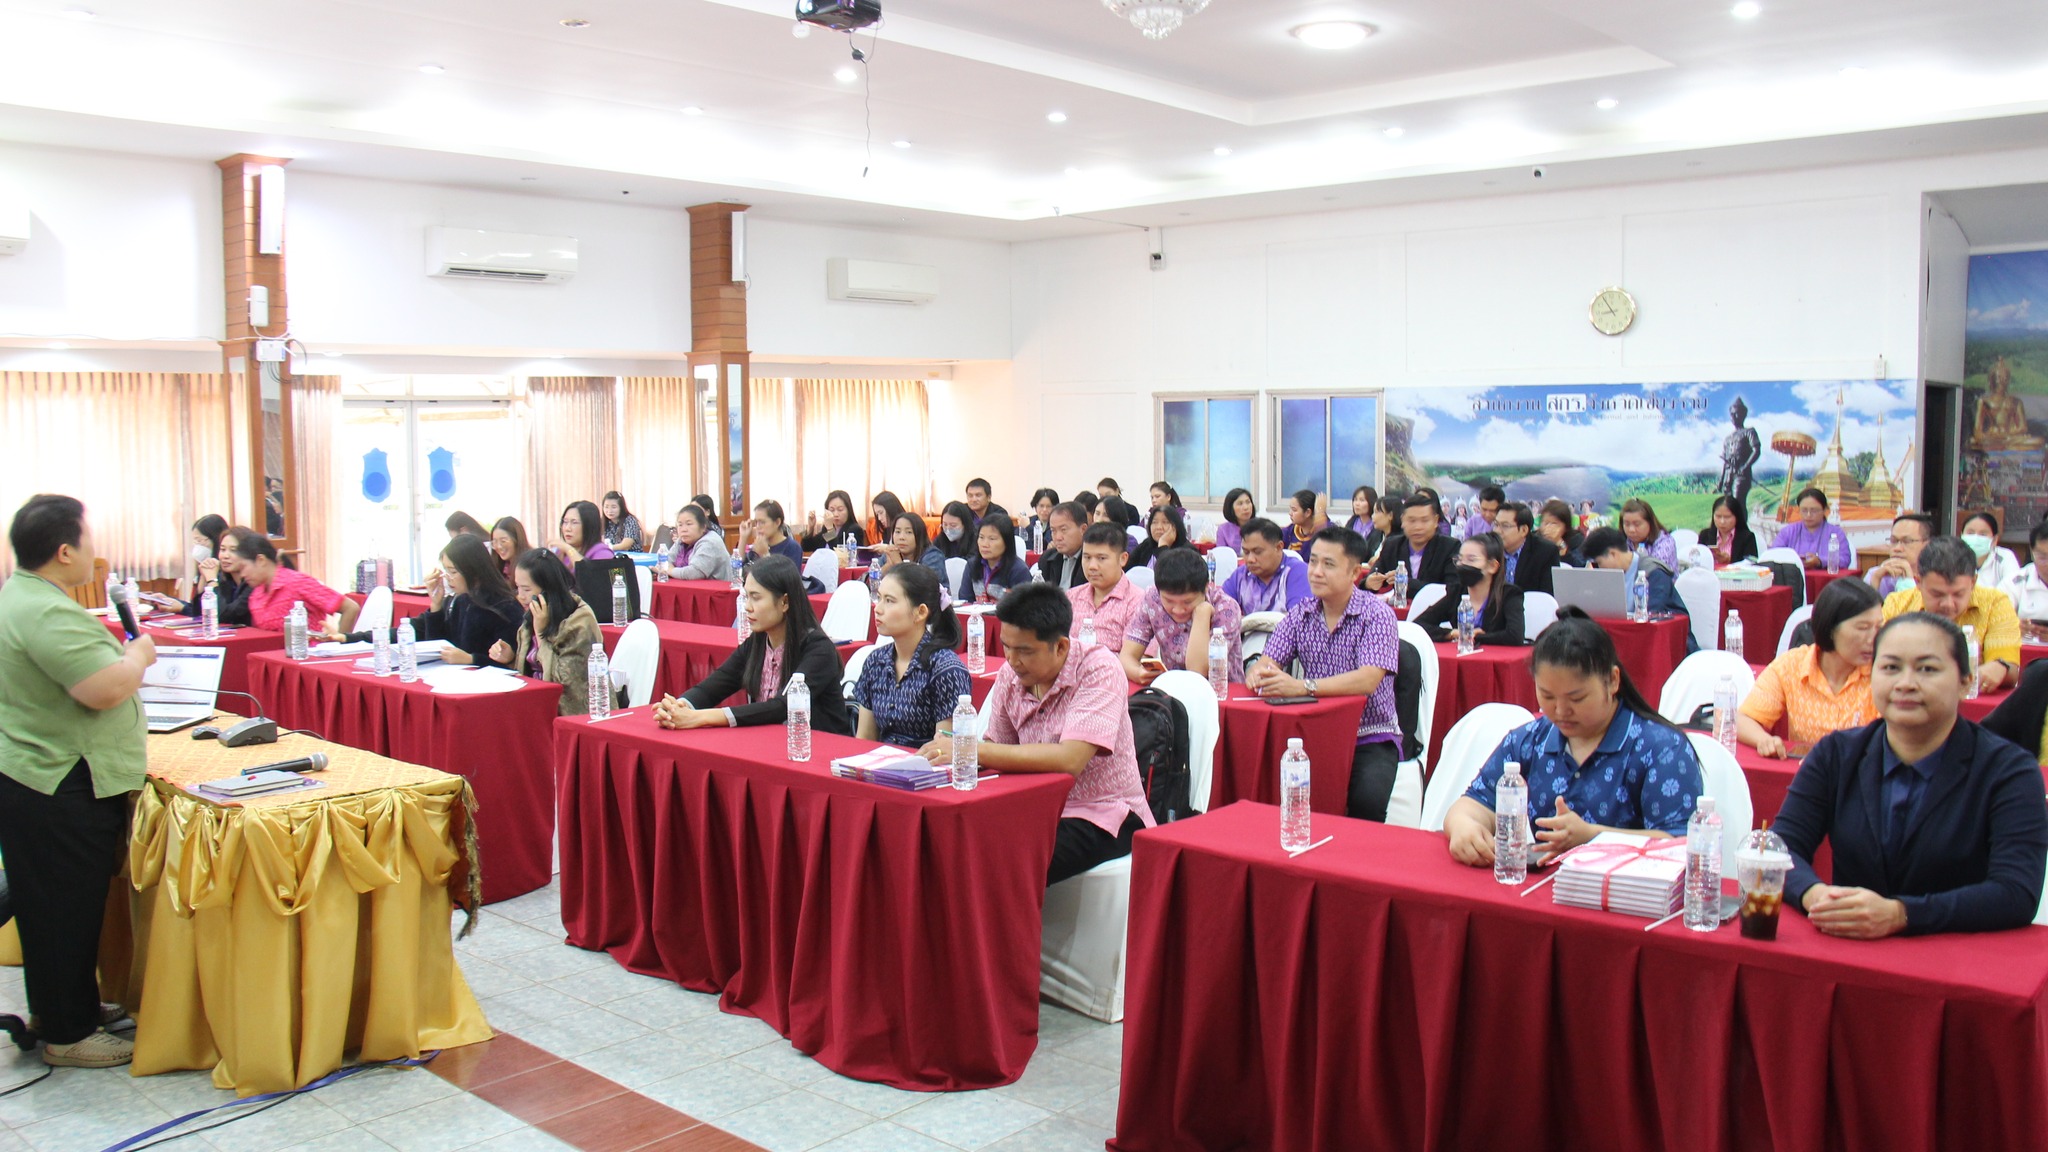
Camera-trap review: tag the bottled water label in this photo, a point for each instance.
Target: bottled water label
(597, 674)
(1219, 666)
(1511, 827)
(1088, 632)
(1731, 633)
(966, 746)
(209, 614)
(1294, 797)
(380, 643)
(798, 699)
(1703, 868)
(977, 645)
(408, 656)
(619, 599)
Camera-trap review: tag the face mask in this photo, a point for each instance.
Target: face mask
(1981, 545)
(201, 552)
(1469, 576)
(954, 534)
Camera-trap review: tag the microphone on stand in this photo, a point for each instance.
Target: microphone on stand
(311, 762)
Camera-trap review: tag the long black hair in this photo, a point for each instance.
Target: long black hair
(623, 510)
(891, 509)
(212, 526)
(1497, 553)
(917, 532)
(460, 523)
(921, 586)
(1577, 643)
(1004, 528)
(593, 525)
(778, 575)
(551, 581)
(1180, 528)
(472, 557)
(962, 548)
(1230, 507)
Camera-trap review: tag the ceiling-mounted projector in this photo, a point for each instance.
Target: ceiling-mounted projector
(839, 15)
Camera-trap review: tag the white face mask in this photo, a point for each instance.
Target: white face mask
(955, 534)
(201, 552)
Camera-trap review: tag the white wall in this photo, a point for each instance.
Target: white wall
(1945, 307)
(788, 314)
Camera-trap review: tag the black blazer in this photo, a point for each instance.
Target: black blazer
(816, 658)
(1500, 622)
(470, 626)
(1148, 550)
(1049, 565)
(1375, 543)
(231, 600)
(1974, 854)
(1439, 557)
(1745, 542)
(851, 535)
(1533, 568)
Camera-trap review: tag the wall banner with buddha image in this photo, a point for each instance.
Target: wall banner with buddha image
(2004, 459)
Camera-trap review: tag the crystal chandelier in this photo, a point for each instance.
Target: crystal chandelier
(1155, 18)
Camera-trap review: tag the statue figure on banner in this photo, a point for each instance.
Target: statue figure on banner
(1739, 453)
(2001, 423)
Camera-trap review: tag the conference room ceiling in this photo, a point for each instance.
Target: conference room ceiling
(946, 126)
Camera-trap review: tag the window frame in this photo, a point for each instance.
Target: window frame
(1271, 475)
(1212, 503)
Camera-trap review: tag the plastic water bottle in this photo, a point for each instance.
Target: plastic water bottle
(380, 651)
(295, 647)
(1976, 661)
(1294, 778)
(1219, 665)
(741, 629)
(798, 697)
(966, 745)
(977, 645)
(209, 614)
(1731, 633)
(1511, 826)
(408, 654)
(597, 676)
(1639, 599)
(114, 585)
(134, 591)
(1087, 631)
(1400, 585)
(1703, 868)
(1468, 626)
(874, 577)
(739, 572)
(1211, 559)
(1724, 713)
(619, 599)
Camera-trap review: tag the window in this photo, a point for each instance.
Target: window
(1327, 443)
(1205, 446)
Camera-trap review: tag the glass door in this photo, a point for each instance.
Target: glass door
(404, 466)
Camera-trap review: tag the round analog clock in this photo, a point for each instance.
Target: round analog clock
(1612, 311)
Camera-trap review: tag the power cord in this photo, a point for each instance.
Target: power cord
(268, 1100)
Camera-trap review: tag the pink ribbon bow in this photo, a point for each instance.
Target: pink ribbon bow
(1607, 859)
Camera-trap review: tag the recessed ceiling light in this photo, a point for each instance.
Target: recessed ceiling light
(432, 69)
(1607, 103)
(1056, 117)
(800, 30)
(1395, 132)
(575, 22)
(692, 110)
(902, 143)
(846, 75)
(1746, 10)
(77, 13)
(1332, 35)
(1222, 151)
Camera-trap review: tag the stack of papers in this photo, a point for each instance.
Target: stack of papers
(340, 648)
(422, 655)
(241, 787)
(893, 768)
(1618, 872)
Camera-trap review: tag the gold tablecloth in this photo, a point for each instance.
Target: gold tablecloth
(277, 933)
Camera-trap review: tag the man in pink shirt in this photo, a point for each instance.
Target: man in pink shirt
(1108, 600)
(1060, 707)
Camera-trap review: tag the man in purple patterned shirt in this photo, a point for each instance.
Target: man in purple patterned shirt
(1349, 645)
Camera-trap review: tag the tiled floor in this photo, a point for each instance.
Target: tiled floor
(594, 1058)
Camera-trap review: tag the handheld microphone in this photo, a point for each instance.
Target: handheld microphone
(311, 762)
(117, 595)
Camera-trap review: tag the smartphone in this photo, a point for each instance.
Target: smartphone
(1284, 701)
(1152, 664)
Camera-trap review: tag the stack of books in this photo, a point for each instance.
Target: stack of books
(243, 786)
(893, 768)
(1618, 872)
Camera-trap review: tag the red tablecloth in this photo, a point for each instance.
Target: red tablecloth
(1254, 734)
(689, 653)
(892, 935)
(2030, 653)
(498, 742)
(404, 605)
(240, 643)
(1651, 651)
(1816, 579)
(1492, 675)
(1764, 612)
(714, 602)
(1375, 994)
(992, 636)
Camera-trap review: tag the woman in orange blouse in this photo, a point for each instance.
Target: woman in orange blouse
(1820, 687)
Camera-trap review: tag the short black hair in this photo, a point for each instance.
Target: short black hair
(1925, 521)
(43, 525)
(1260, 526)
(1230, 505)
(1110, 483)
(978, 482)
(1811, 493)
(1037, 608)
(1044, 494)
(703, 500)
(1351, 542)
(1986, 517)
(252, 545)
(1492, 492)
(1523, 517)
(1601, 541)
(1179, 571)
(1948, 557)
(1072, 510)
(773, 510)
(1838, 603)
(1086, 498)
(592, 522)
(1420, 501)
(1306, 499)
(2039, 534)
(1107, 535)
(1958, 644)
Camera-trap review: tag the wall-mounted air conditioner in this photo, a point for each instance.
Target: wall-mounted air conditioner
(474, 254)
(13, 228)
(847, 279)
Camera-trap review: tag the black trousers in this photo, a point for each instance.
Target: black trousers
(1080, 845)
(62, 852)
(1372, 780)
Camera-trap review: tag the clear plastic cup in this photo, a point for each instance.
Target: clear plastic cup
(1761, 873)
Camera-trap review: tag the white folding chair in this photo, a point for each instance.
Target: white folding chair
(846, 615)
(1258, 626)
(1696, 556)
(1800, 615)
(1701, 592)
(1539, 611)
(1226, 562)
(636, 662)
(1466, 747)
(1724, 780)
(1204, 716)
(376, 611)
(645, 573)
(854, 664)
(1685, 538)
(823, 566)
(1404, 805)
(956, 567)
(1137, 534)
(1693, 683)
(1420, 600)
(1140, 577)
(1780, 556)
(1082, 944)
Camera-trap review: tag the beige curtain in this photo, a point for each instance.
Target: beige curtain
(655, 467)
(316, 409)
(772, 468)
(572, 447)
(146, 451)
(863, 436)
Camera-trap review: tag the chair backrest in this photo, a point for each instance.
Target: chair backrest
(1422, 598)
(851, 674)
(823, 566)
(93, 593)
(1226, 562)
(846, 615)
(1466, 746)
(376, 611)
(1696, 556)
(1425, 650)
(1725, 782)
(1685, 538)
(1137, 534)
(646, 574)
(1140, 577)
(1693, 682)
(1701, 591)
(1778, 556)
(594, 584)
(1204, 718)
(664, 538)
(1800, 615)
(956, 567)
(636, 662)
(1539, 611)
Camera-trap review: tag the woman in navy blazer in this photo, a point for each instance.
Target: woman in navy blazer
(1937, 825)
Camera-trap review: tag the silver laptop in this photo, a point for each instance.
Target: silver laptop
(1597, 591)
(178, 690)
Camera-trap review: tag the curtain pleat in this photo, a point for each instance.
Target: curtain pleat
(316, 409)
(572, 447)
(863, 436)
(655, 466)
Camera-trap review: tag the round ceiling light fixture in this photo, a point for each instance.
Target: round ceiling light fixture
(1746, 10)
(846, 75)
(1607, 103)
(1333, 35)
(1056, 117)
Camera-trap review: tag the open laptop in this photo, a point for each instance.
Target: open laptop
(1597, 591)
(178, 690)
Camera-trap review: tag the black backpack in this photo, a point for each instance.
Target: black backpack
(594, 584)
(1159, 732)
(1791, 576)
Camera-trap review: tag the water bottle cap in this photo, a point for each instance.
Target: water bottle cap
(1706, 806)
(1294, 743)
(1513, 768)
(796, 679)
(967, 700)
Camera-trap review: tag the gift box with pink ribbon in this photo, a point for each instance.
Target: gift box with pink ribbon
(1621, 872)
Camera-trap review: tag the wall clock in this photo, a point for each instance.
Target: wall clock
(1612, 311)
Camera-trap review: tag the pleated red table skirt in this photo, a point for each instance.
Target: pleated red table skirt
(1254, 733)
(1495, 674)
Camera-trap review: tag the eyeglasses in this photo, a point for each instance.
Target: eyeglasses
(1901, 542)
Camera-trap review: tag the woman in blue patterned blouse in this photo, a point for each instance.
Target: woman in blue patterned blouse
(1599, 759)
(913, 679)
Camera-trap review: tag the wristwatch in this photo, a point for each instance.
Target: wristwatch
(1309, 686)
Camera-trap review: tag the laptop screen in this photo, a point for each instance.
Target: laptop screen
(183, 676)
